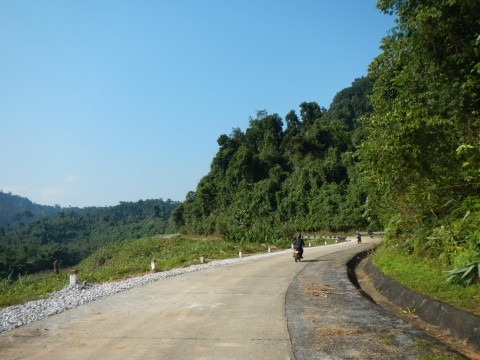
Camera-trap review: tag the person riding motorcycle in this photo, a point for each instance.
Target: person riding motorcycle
(359, 237)
(298, 243)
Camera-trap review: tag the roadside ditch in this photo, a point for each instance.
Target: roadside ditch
(454, 327)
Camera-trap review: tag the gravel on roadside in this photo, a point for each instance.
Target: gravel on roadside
(72, 296)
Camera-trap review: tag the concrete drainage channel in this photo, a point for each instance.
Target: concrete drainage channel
(351, 271)
(458, 323)
(328, 316)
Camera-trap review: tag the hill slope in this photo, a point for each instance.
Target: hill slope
(70, 235)
(276, 179)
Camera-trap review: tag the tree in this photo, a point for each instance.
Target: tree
(351, 103)
(426, 101)
(311, 111)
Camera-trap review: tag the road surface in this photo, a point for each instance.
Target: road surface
(236, 311)
(228, 312)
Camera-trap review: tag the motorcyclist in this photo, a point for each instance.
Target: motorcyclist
(298, 243)
(359, 237)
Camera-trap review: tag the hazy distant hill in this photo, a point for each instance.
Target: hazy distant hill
(32, 236)
(16, 209)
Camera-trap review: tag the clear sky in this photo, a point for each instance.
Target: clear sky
(103, 101)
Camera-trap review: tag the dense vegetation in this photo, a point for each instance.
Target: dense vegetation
(421, 158)
(72, 234)
(271, 179)
(403, 155)
(423, 275)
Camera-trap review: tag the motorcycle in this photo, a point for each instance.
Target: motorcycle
(297, 255)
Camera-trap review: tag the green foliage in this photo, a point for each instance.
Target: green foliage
(351, 103)
(465, 276)
(426, 276)
(241, 233)
(72, 235)
(271, 179)
(16, 211)
(420, 158)
(29, 287)
(129, 258)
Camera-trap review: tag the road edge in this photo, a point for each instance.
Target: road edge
(463, 326)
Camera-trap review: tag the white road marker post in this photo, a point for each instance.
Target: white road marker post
(153, 265)
(73, 277)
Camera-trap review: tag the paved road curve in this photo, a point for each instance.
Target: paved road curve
(230, 312)
(329, 318)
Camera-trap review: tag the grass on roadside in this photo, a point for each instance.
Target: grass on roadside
(30, 287)
(426, 276)
(132, 258)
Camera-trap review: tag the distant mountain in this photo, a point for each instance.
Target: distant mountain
(15, 209)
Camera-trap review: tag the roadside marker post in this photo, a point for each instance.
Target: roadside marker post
(73, 277)
(153, 265)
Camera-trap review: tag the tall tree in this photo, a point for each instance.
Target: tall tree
(423, 137)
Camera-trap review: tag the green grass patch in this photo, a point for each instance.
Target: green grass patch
(132, 258)
(30, 287)
(427, 277)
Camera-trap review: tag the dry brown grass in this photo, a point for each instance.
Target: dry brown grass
(318, 290)
(337, 330)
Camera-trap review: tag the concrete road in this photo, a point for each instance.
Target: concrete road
(329, 318)
(230, 312)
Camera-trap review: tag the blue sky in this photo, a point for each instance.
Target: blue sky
(103, 101)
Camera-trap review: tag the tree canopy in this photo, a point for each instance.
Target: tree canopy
(399, 149)
(422, 154)
(284, 177)
(72, 233)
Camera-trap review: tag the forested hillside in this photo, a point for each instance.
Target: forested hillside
(71, 235)
(279, 177)
(403, 155)
(421, 157)
(15, 209)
